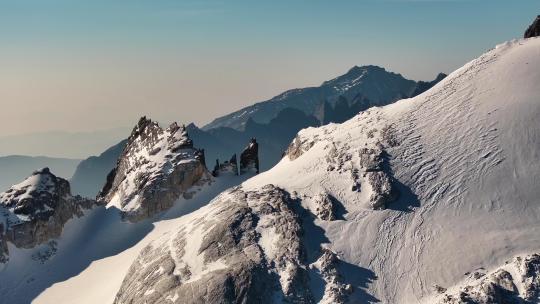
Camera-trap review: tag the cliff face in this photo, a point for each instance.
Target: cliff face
(156, 167)
(35, 210)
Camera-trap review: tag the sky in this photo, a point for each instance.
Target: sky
(93, 66)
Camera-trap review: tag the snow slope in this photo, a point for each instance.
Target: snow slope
(93, 254)
(463, 156)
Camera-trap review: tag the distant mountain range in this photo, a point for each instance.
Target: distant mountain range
(373, 83)
(274, 123)
(88, 177)
(432, 199)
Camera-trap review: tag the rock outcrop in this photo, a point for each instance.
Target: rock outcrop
(299, 146)
(518, 281)
(249, 159)
(534, 29)
(336, 291)
(382, 190)
(324, 208)
(247, 249)
(156, 167)
(35, 210)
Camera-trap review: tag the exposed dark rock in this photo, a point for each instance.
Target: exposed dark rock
(534, 29)
(249, 159)
(156, 167)
(298, 147)
(324, 207)
(230, 166)
(530, 266)
(370, 159)
(383, 191)
(381, 182)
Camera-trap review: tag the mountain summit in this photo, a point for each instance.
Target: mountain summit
(155, 168)
(373, 83)
(35, 211)
(429, 188)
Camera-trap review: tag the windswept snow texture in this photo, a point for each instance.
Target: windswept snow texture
(397, 205)
(464, 158)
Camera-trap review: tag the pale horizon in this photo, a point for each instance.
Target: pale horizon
(81, 67)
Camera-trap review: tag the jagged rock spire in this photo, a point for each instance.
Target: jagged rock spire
(156, 167)
(249, 159)
(534, 29)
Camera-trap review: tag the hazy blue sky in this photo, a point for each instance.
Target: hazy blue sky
(98, 64)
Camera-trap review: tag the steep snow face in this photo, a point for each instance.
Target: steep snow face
(463, 158)
(155, 168)
(392, 206)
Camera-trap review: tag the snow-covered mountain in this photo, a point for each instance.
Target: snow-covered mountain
(156, 167)
(463, 158)
(276, 132)
(52, 236)
(427, 200)
(374, 84)
(35, 211)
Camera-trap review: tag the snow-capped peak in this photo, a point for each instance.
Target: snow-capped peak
(35, 210)
(155, 168)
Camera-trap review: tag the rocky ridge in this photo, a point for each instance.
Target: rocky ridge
(374, 84)
(365, 168)
(156, 167)
(245, 247)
